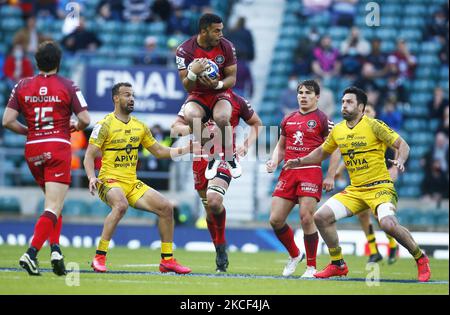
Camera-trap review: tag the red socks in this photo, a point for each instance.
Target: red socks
(311, 241)
(216, 227)
(43, 228)
(54, 236)
(211, 227)
(220, 226)
(286, 237)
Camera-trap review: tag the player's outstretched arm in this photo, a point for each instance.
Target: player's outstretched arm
(328, 183)
(255, 123)
(89, 166)
(403, 153)
(277, 155)
(315, 157)
(162, 152)
(10, 121)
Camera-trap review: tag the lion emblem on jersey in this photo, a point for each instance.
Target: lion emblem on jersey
(298, 136)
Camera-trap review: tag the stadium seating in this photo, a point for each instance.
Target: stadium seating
(9, 204)
(75, 207)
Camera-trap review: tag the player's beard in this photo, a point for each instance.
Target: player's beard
(349, 116)
(128, 108)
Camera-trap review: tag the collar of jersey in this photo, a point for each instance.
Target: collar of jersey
(115, 117)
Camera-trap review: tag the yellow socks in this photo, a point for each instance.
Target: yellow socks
(336, 255)
(417, 253)
(166, 251)
(392, 242)
(102, 248)
(372, 244)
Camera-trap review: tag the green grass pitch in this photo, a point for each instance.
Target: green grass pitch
(136, 272)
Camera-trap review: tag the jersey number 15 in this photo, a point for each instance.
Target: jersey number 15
(44, 116)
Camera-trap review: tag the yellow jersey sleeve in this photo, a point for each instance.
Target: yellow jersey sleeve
(99, 134)
(148, 139)
(330, 144)
(383, 132)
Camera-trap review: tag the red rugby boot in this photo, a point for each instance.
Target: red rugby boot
(332, 271)
(171, 265)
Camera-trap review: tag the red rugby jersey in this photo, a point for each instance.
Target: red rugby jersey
(47, 102)
(304, 132)
(223, 55)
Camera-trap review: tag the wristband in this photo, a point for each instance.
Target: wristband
(219, 85)
(191, 76)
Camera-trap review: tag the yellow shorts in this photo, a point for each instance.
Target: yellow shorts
(358, 199)
(133, 189)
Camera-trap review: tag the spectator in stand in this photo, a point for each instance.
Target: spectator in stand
(435, 164)
(368, 84)
(303, 54)
(242, 39)
(28, 36)
(394, 88)
(443, 127)
(244, 80)
(403, 60)
(179, 23)
(436, 28)
(161, 10)
(81, 39)
(313, 7)
(198, 6)
(435, 184)
(46, 9)
(110, 10)
(326, 100)
(343, 12)
(375, 65)
(326, 62)
(17, 65)
(353, 51)
(355, 42)
(151, 55)
(27, 6)
(391, 115)
(437, 105)
(289, 101)
(443, 53)
(136, 10)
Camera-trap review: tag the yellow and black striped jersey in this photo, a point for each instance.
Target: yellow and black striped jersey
(119, 143)
(363, 149)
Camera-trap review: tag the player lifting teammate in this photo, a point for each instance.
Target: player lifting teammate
(117, 138)
(212, 192)
(301, 132)
(362, 142)
(210, 97)
(47, 101)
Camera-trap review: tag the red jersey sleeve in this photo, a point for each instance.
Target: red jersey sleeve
(283, 126)
(13, 101)
(230, 53)
(78, 102)
(184, 55)
(326, 124)
(245, 108)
